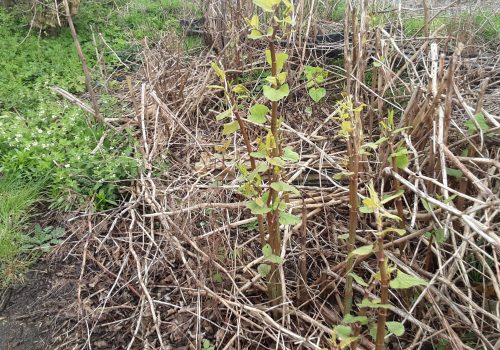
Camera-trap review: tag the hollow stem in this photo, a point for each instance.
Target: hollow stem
(275, 292)
(248, 146)
(353, 146)
(384, 287)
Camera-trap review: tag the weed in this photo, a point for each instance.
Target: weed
(16, 199)
(43, 239)
(338, 12)
(42, 137)
(206, 345)
(268, 202)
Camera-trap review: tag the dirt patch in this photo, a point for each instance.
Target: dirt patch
(28, 312)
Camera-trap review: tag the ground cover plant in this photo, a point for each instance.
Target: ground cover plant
(291, 197)
(45, 140)
(17, 249)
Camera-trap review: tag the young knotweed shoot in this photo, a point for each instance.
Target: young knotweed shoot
(372, 204)
(351, 130)
(315, 76)
(264, 184)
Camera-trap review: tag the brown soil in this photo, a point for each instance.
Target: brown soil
(29, 311)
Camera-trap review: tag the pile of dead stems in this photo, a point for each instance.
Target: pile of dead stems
(176, 264)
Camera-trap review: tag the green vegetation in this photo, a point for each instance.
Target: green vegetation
(16, 199)
(48, 145)
(338, 12)
(485, 28)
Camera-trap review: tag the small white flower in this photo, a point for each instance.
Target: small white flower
(66, 165)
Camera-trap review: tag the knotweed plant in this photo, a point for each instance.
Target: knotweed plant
(388, 276)
(262, 178)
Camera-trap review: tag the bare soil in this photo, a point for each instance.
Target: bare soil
(29, 311)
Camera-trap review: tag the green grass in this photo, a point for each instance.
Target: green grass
(43, 136)
(16, 199)
(473, 26)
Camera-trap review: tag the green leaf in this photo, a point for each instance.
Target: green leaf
(275, 259)
(267, 250)
(281, 77)
(218, 70)
(346, 127)
(344, 237)
(224, 114)
(258, 113)
(254, 22)
(281, 58)
(371, 203)
(456, 173)
(231, 128)
(364, 250)
(390, 216)
(217, 277)
(276, 94)
(344, 343)
(371, 145)
(290, 155)
(261, 167)
(365, 210)
(403, 281)
(315, 74)
(281, 186)
(256, 209)
(288, 219)
(276, 161)
(308, 110)
(342, 175)
(240, 89)
(353, 319)
(481, 121)
(390, 197)
(259, 154)
(342, 331)
(438, 235)
(264, 269)
(401, 158)
(255, 34)
(317, 93)
(372, 328)
(358, 279)
(399, 231)
(375, 304)
(427, 206)
(396, 328)
(267, 5)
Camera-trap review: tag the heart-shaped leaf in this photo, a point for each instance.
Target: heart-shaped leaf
(276, 94)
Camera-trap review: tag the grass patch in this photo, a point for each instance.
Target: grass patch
(467, 26)
(16, 200)
(415, 25)
(42, 136)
